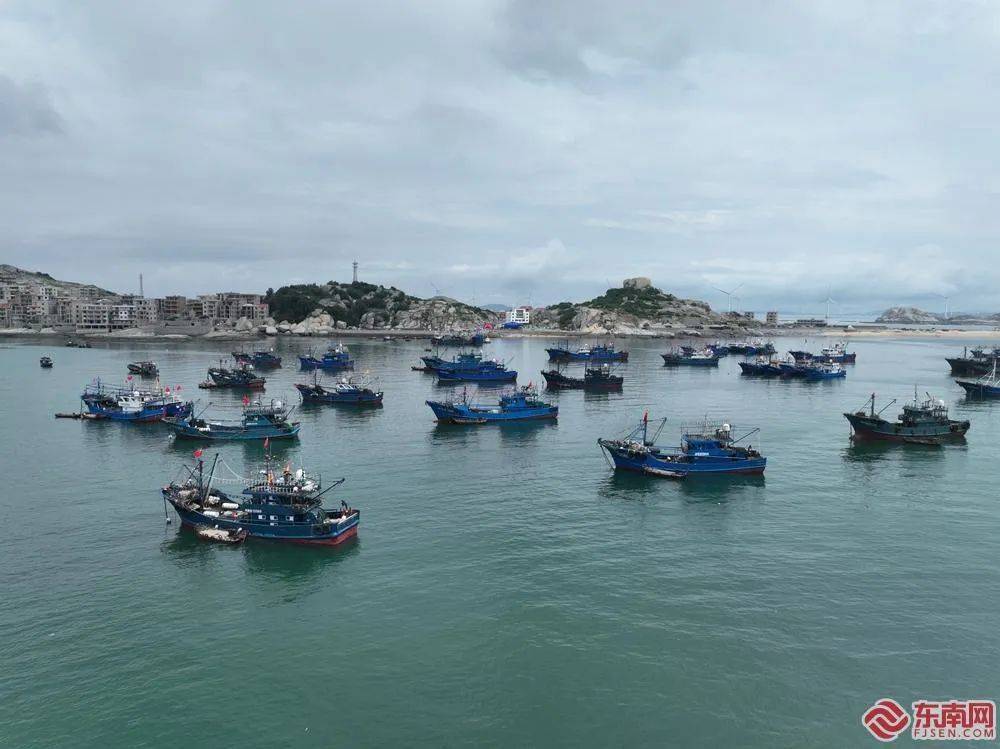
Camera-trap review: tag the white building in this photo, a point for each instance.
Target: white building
(519, 315)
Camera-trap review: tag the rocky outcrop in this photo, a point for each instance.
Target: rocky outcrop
(908, 315)
(637, 310)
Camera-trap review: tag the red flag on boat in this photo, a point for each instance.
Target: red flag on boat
(645, 418)
(166, 389)
(197, 453)
(129, 377)
(177, 387)
(267, 442)
(246, 400)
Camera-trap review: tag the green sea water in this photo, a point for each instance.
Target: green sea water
(506, 588)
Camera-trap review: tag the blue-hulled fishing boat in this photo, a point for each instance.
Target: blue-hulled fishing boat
(595, 353)
(825, 371)
(975, 363)
(347, 390)
(752, 348)
(762, 366)
(128, 403)
(470, 360)
(832, 354)
(987, 386)
(519, 405)
(271, 505)
(921, 422)
(259, 421)
(494, 374)
(336, 357)
(259, 359)
(704, 450)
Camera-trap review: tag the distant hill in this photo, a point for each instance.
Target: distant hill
(627, 310)
(318, 307)
(13, 274)
(908, 315)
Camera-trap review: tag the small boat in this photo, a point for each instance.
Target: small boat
(688, 357)
(261, 359)
(45, 362)
(259, 421)
(920, 422)
(70, 343)
(825, 371)
(240, 377)
(346, 390)
(704, 450)
(336, 357)
(596, 353)
(752, 348)
(275, 505)
(222, 535)
(128, 403)
(144, 368)
(519, 405)
(987, 386)
(459, 339)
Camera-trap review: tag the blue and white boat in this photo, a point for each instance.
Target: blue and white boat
(705, 450)
(825, 371)
(688, 357)
(595, 353)
(128, 403)
(520, 405)
(346, 391)
(259, 421)
(336, 357)
(272, 505)
(489, 375)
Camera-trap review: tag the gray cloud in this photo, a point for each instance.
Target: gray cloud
(507, 149)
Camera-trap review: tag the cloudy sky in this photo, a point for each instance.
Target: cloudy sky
(510, 151)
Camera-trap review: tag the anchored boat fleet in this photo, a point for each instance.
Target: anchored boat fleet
(286, 505)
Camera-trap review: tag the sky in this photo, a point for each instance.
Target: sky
(521, 151)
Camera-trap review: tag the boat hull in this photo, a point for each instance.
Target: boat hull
(867, 428)
(296, 533)
(979, 389)
(653, 465)
(229, 434)
(558, 354)
(507, 375)
(460, 413)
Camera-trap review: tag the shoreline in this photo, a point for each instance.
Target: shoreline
(706, 335)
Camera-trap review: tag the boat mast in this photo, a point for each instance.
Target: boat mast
(211, 475)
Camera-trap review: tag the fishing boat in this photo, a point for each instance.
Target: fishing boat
(975, 363)
(459, 339)
(595, 353)
(494, 374)
(269, 504)
(762, 366)
(260, 359)
(987, 386)
(832, 354)
(259, 421)
(77, 344)
(704, 450)
(719, 349)
(594, 378)
(144, 368)
(752, 348)
(921, 422)
(347, 390)
(240, 377)
(521, 404)
(45, 362)
(128, 403)
(686, 356)
(825, 371)
(336, 357)
(470, 360)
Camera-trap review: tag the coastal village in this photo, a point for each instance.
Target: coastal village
(35, 303)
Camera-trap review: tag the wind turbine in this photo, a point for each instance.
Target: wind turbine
(729, 295)
(829, 300)
(946, 300)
